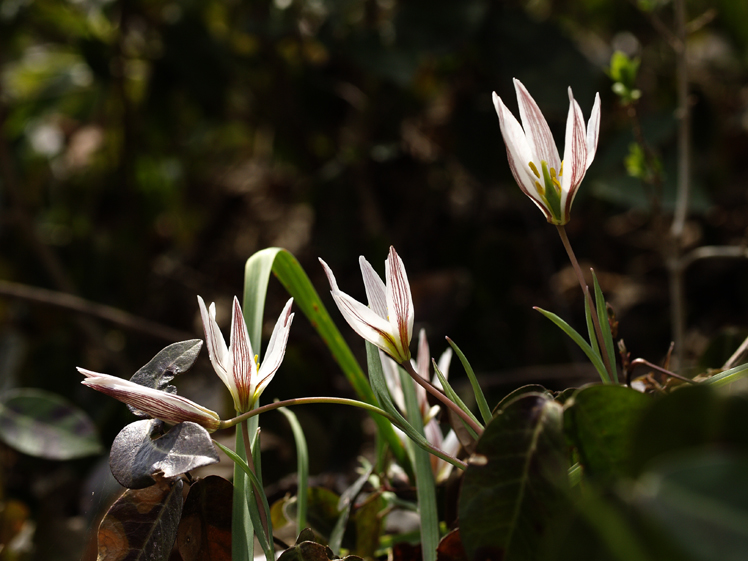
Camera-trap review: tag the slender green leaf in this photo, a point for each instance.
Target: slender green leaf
(728, 376)
(425, 484)
(302, 467)
(242, 529)
(514, 394)
(602, 315)
(452, 394)
(248, 499)
(579, 340)
(591, 327)
(379, 385)
(292, 276)
(480, 398)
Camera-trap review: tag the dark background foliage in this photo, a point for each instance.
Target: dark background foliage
(148, 148)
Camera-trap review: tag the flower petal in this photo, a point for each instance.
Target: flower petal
(375, 289)
(275, 352)
(391, 372)
(217, 350)
(244, 368)
(575, 156)
(399, 301)
(518, 153)
(159, 404)
(444, 361)
(593, 130)
(364, 321)
(536, 128)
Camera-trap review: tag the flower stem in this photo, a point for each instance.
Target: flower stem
(586, 291)
(340, 401)
(441, 397)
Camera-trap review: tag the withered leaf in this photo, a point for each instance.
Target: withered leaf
(205, 530)
(142, 524)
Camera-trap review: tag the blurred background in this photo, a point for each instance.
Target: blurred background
(149, 147)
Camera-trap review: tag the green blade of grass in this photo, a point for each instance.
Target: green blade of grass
(302, 467)
(480, 398)
(292, 276)
(602, 315)
(451, 394)
(579, 340)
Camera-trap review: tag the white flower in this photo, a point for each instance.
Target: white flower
(533, 156)
(388, 321)
(236, 364)
(156, 403)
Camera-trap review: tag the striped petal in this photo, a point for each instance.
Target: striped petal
(275, 352)
(168, 407)
(399, 302)
(217, 350)
(536, 129)
(243, 366)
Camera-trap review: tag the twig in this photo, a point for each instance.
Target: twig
(641, 362)
(101, 311)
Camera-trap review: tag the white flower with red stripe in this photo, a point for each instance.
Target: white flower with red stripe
(237, 365)
(533, 157)
(388, 320)
(159, 404)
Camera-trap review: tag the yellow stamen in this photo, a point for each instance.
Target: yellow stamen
(540, 189)
(257, 360)
(554, 179)
(561, 171)
(534, 170)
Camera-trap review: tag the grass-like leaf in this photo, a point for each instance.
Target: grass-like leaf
(452, 394)
(602, 315)
(480, 398)
(292, 276)
(579, 340)
(728, 376)
(302, 467)
(425, 484)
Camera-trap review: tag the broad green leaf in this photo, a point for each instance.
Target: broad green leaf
(600, 421)
(140, 453)
(45, 425)
(205, 528)
(515, 482)
(480, 398)
(514, 394)
(579, 340)
(689, 418)
(602, 316)
(302, 467)
(701, 499)
(142, 525)
(292, 276)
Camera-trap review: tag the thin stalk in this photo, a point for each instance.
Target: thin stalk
(683, 113)
(408, 367)
(590, 303)
(256, 493)
(340, 401)
(643, 362)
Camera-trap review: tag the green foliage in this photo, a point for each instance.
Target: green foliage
(45, 425)
(623, 71)
(515, 481)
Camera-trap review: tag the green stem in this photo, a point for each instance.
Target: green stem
(408, 367)
(340, 401)
(586, 291)
(251, 464)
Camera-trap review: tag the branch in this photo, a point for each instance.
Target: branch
(86, 307)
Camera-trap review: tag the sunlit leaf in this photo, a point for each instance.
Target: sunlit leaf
(45, 425)
(161, 369)
(139, 452)
(600, 420)
(205, 529)
(142, 524)
(515, 481)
